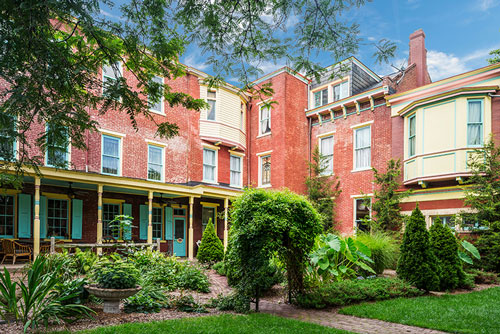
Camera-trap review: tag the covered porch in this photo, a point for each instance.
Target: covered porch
(77, 207)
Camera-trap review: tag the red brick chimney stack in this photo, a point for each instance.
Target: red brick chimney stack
(418, 56)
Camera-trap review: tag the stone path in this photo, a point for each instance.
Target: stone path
(340, 321)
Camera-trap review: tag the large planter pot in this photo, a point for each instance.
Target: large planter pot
(111, 297)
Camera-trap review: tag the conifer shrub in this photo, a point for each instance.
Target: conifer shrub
(211, 249)
(488, 246)
(445, 247)
(417, 263)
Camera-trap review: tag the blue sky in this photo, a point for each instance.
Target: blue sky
(459, 34)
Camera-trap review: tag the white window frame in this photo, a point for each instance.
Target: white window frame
(215, 105)
(412, 137)
(162, 101)
(322, 92)
(357, 198)
(215, 180)
(261, 120)
(120, 69)
(231, 156)
(324, 137)
(261, 157)
(355, 132)
(68, 152)
(469, 123)
(340, 85)
(120, 155)
(162, 169)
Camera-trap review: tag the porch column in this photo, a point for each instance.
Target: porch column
(150, 217)
(36, 223)
(191, 231)
(226, 205)
(99, 217)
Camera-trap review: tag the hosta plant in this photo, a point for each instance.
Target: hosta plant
(338, 258)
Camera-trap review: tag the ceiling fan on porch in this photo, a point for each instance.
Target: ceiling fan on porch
(71, 192)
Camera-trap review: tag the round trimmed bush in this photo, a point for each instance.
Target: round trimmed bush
(116, 274)
(211, 249)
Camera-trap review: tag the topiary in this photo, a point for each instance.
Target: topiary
(488, 246)
(211, 249)
(445, 247)
(417, 263)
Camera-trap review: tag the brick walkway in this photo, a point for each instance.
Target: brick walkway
(340, 321)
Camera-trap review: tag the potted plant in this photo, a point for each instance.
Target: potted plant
(114, 280)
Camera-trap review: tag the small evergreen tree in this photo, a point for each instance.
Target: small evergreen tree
(211, 249)
(387, 199)
(445, 247)
(417, 263)
(322, 189)
(488, 246)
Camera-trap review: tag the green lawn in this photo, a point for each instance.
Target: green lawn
(230, 324)
(475, 312)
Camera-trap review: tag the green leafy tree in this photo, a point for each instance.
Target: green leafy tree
(496, 57)
(322, 189)
(52, 51)
(483, 191)
(417, 263)
(444, 245)
(266, 224)
(211, 249)
(387, 198)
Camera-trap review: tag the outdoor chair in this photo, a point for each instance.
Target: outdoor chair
(14, 249)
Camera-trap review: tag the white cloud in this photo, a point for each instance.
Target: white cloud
(192, 60)
(291, 21)
(111, 15)
(485, 5)
(371, 38)
(442, 65)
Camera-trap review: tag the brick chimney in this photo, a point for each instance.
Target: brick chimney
(418, 56)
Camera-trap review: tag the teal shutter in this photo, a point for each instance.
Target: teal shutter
(127, 231)
(168, 223)
(43, 217)
(76, 218)
(144, 221)
(24, 220)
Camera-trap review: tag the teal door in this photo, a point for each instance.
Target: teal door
(179, 236)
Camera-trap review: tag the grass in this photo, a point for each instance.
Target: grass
(227, 323)
(475, 312)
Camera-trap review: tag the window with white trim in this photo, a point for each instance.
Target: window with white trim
(341, 91)
(235, 170)
(362, 148)
(6, 216)
(446, 220)
(211, 100)
(155, 163)
(157, 106)
(209, 165)
(475, 123)
(57, 218)
(412, 136)
(362, 213)
(110, 74)
(110, 155)
(57, 147)
(264, 119)
(265, 170)
(321, 97)
(326, 150)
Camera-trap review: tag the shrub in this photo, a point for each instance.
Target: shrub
(84, 260)
(220, 268)
(115, 274)
(234, 302)
(146, 259)
(75, 289)
(211, 249)
(488, 245)
(148, 300)
(384, 249)
(482, 277)
(354, 291)
(445, 247)
(417, 263)
(187, 304)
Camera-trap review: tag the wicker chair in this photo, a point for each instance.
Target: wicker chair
(14, 250)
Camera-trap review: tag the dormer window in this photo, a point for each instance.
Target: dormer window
(341, 91)
(320, 98)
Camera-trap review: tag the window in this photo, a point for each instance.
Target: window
(326, 150)
(265, 119)
(209, 165)
(475, 123)
(207, 213)
(7, 141)
(57, 218)
(412, 135)
(235, 168)
(158, 106)
(362, 148)
(446, 220)
(211, 100)
(471, 223)
(110, 155)
(265, 167)
(341, 91)
(109, 211)
(155, 163)
(321, 97)
(362, 212)
(156, 221)
(6, 216)
(57, 147)
(110, 76)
